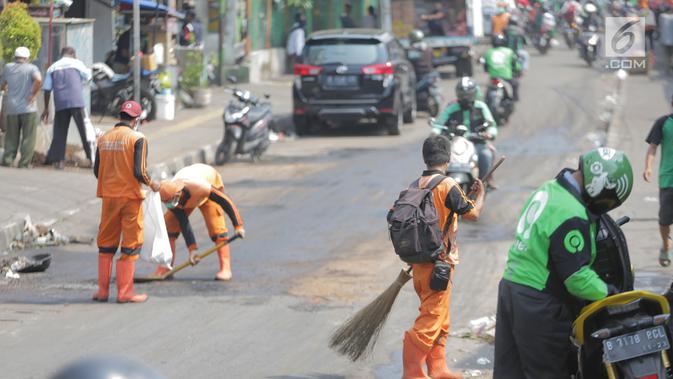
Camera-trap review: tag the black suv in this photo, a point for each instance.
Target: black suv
(353, 76)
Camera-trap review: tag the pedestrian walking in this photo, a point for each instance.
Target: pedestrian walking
(65, 78)
(21, 82)
(199, 186)
(371, 20)
(295, 40)
(120, 167)
(425, 342)
(661, 134)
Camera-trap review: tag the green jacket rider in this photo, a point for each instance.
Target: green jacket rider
(549, 267)
(503, 63)
(472, 113)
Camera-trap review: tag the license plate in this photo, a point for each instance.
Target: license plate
(632, 345)
(342, 81)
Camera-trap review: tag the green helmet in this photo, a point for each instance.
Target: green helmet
(608, 179)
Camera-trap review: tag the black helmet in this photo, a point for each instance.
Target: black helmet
(466, 91)
(107, 367)
(499, 40)
(607, 177)
(416, 36)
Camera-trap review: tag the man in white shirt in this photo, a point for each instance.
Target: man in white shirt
(295, 40)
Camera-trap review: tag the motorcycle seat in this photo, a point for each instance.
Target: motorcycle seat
(258, 112)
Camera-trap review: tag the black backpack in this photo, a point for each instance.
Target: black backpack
(413, 224)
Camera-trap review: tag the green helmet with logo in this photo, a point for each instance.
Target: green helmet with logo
(608, 179)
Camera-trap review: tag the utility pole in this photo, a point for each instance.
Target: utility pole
(136, 50)
(386, 16)
(220, 42)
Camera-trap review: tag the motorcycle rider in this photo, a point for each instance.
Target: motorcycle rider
(472, 113)
(590, 17)
(502, 62)
(516, 40)
(420, 55)
(548, 273)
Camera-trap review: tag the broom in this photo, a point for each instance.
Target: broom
(357, 336)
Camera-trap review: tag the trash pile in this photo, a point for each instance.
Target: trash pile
(11, 267)
(482, 328)
(39, 235)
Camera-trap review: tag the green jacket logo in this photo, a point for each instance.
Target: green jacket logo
(532, 214)
(574, 241)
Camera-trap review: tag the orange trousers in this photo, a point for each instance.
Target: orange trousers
(213, 215)
(432, 324)
(121, 219)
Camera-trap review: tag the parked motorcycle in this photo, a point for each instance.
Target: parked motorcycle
(464, 162)
(110, 90)
(428, 96)
(247, 126)
(588, 45)
(542, 38)
(624, 335)
(499, 101)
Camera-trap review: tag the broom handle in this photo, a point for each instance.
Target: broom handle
(490, 172)
(200, 256)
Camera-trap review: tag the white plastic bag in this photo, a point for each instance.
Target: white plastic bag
(156, 248)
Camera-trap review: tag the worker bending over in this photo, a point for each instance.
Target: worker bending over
(199, 186)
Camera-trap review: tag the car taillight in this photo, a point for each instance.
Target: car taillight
(379, 69)
(653, 376)
(307, 70)
(495, 81)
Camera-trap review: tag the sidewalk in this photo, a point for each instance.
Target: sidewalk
(50, 196)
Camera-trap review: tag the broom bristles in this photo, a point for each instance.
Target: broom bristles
(358, 335)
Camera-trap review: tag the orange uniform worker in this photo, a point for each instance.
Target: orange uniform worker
(500, 21)
(120, 167)
(425, 342)
(199, 186)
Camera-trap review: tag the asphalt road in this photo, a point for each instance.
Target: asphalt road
(317, 248)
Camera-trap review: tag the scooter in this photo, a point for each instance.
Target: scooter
(464, 162)
(499, 102)
(571, 33)
(624, 335)
(428, 96)
(542, 39)
(588, 45)
(110, 90)
(247, 126)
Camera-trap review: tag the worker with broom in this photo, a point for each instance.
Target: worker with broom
(120, 168)
(425, 342)
(199, 186)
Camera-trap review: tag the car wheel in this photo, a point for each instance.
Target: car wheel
(433, 105)
(410, 114)
(301, 127)
(394, 123)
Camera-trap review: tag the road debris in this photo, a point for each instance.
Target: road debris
(472, 373)
(483, 361)
(40, 235)
(11, 267)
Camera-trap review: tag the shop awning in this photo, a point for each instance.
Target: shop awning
(147, 6)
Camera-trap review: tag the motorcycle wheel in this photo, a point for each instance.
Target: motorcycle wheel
(224, 152)
(433, 105)
(149, 104)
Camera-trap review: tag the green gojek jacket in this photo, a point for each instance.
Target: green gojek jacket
(555, 244)
(501, 62)
(471, 117)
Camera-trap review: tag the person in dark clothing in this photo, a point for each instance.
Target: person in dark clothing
(346, 19)
(420, 55)
(192, 31)
(65, 77)
(435, 21)
(122, 57)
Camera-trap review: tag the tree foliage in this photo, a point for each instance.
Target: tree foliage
(305, 4)
(18, 28)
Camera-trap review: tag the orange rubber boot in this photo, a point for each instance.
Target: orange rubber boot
(104, 273)
(413, 360)
(125, 294)
(225, 264)
(437, 368)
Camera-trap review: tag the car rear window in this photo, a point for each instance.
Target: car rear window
(344, 51)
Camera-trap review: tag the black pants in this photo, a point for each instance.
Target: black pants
(61, 123)
(531, 335)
